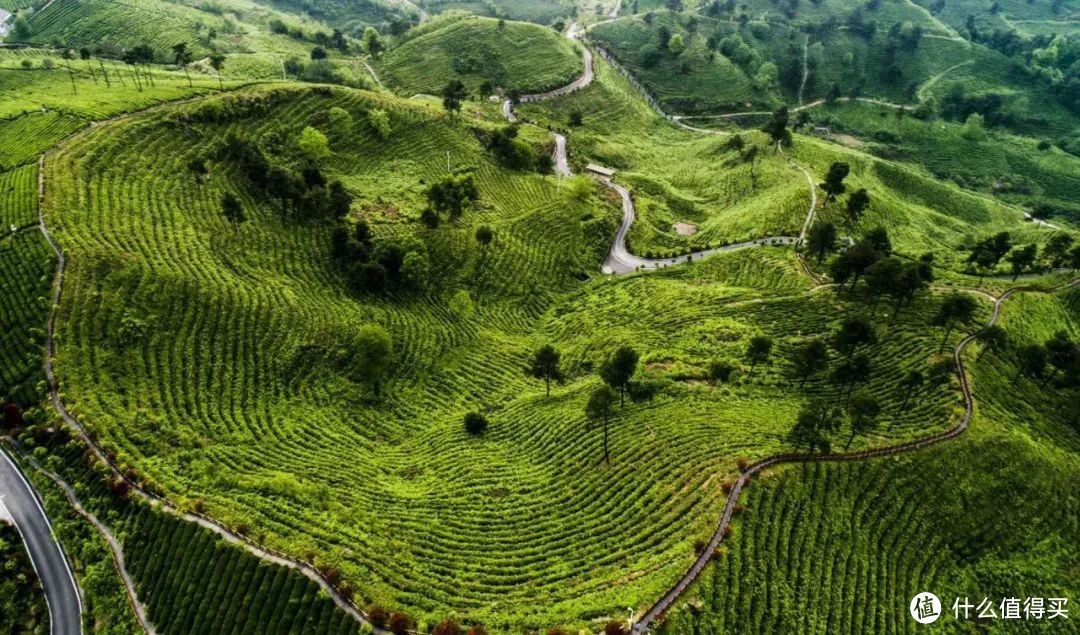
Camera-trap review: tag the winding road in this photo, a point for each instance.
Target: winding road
(62, 593)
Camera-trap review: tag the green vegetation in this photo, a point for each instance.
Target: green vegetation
(516, 57)
(992, 514)
(370, 331)
(22, 600)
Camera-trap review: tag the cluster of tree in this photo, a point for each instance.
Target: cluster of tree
(777, 127)
(336, 39)
(516, 154)
(1047, 57)
(453, 94)
(871, 256)
(450, 195)
(1056, 359)
(617, 373)
(304, 194)
(1058, 252)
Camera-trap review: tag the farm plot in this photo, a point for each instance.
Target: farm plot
(202, 354)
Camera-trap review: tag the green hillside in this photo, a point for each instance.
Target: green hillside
(505, 510)
(515, 56)
(843, 547)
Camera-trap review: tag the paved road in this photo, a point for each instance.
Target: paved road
(621, 261)
(24, 508)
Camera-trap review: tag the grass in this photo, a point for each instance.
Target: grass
(517, 56)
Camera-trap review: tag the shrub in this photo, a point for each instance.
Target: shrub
(377, 615)
(475, 423)
(399, 624)
(721, 370)
(446, 627)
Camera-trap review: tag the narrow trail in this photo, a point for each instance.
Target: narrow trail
(805, 67)
(374, 75)
(665, 602)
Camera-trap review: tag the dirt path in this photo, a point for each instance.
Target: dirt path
(665, 602)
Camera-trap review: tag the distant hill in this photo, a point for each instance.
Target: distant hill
(513, 55)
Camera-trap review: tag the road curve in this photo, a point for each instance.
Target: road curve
(62, 594)
(621, 261)
(665, 602)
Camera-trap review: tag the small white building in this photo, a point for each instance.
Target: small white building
(600, 170)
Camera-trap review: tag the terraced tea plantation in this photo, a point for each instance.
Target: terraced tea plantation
(346, 334)
(424, 517)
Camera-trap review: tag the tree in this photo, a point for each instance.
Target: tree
(446, 627)
(337, 39)
(453, 94)
(318, 53)
(399, 624)
(912, 381)
(776, 127)
(1062, 353)
(862, 412)
(600, 408)
(575, 118)
(372, 353)
(373, 43)
(313, 144)
(545, 365)
(821, 239)
(852, 334)
(68, 55)
(676, 45)
(1057, 249)
(854, 262)
(182, 56)
(217, 61)
(810, 359)
(988, 252)
(993, 338)
(198, 169)
(619, 369)
(834, 181)
(720, 370)
(1022, 258)
(857, 203)
(674, 5)
(84, 55)
(813, 421)
(974, 128)
(883, 278)
(758, 351)
(484, 236)
(380, 121)
(231, 209)
(475, 423)
(452, 194)
(958, 307)
(377, 615)
(1032, 360)
(850, 372)
(664, 36)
